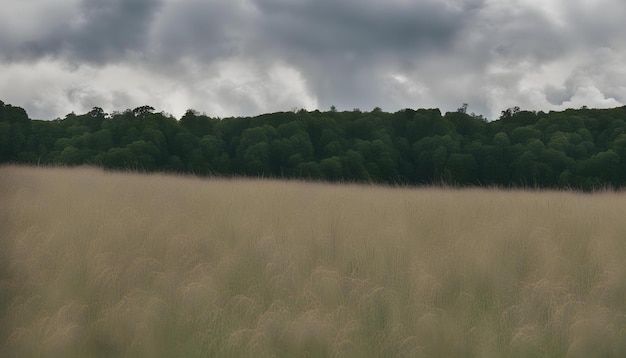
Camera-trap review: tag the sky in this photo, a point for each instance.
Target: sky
(248, 57)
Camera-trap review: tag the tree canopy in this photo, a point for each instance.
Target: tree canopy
(576, 148)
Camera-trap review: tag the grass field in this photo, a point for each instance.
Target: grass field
(128, 265)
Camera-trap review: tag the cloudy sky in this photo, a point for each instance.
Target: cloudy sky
(247, 57)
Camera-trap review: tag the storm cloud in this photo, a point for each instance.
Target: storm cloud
(246, 57)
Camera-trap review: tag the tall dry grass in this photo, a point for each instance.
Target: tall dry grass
(127, 265)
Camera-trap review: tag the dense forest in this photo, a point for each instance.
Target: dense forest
(576, 148)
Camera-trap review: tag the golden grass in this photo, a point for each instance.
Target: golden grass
(127, 265)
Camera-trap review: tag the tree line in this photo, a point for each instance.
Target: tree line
(576, 148)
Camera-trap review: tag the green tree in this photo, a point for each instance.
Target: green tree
(253, 151)
(256, 159)
(332, 149)
(331, 168)
(523, 134)
(604, 166)
(69, 156)
(353, 166)
(143, 111)
(146, 155)
(431, 155)
(182, 144)
(501, 140)
(6, 152)
(309, 170)
(212, 147)
(199, 125)
(463, 168)
(119, 158)
(103, 140)
(467, 126)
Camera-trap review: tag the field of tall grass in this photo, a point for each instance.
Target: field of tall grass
(128, 265)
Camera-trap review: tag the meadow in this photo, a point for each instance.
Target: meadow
(101, 264)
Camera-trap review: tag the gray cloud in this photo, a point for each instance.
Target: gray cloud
(204, 30)
(331, 28)
(97, 32)
(111, 29)
(242, 57)
(346, 49)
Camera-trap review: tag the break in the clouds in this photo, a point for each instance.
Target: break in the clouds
(246, 57)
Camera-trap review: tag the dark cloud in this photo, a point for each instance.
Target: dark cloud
(345, 49)
(246, 56)
(112, 28)
(100, 31)
(558, 95)
(363, 28)
(204, 30)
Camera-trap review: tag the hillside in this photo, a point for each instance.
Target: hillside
(117, 264)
